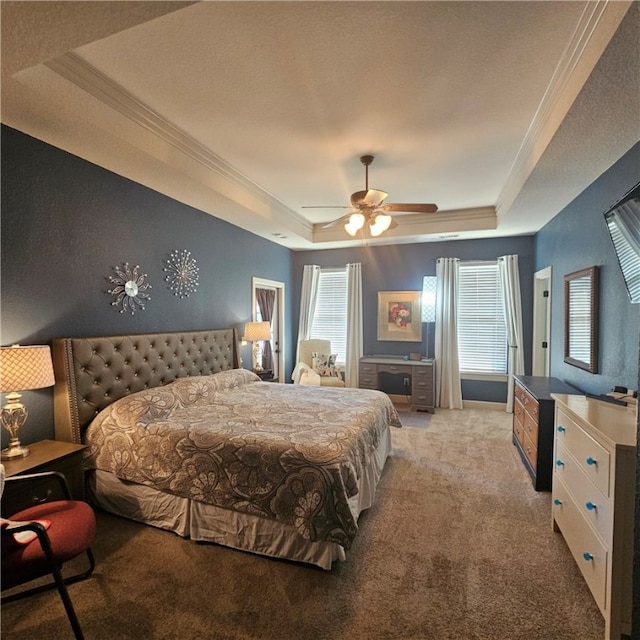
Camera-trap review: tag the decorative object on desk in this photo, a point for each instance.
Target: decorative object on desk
(130, 290)
(21, 369)
(257, 332)
(429, 286)
(415, 356)
(182, 273)
(399, 315)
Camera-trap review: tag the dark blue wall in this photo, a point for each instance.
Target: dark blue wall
(402, 267)
(66, 223)
(577, 238)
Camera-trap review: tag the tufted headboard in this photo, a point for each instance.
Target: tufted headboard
(91, 373)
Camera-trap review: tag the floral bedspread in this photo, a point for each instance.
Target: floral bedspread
(291, 453)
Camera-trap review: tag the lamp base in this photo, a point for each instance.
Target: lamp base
(14, 452)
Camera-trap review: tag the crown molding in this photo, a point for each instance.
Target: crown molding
(85, 76)
(595, 28)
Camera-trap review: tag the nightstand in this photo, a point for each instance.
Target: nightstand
(46, 455)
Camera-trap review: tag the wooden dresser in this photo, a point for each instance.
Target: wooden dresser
(593, 499)
(418, 375)
(533, 415)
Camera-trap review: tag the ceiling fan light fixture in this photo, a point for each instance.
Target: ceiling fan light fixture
(379, 224)
(356, 222)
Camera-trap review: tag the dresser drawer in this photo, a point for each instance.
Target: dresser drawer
(529, 403)
(592, 458)
(518, 411)
(581, 539)
(596, 508)
(518, 430)
(531, 428)
(530, 450)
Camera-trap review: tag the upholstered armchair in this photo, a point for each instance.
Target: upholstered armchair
(38, 540)
(321, 373)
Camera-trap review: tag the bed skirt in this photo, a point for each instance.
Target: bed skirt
(208, 523)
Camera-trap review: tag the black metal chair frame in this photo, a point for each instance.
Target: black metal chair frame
(59, 581)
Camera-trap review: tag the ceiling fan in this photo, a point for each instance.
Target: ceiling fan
(367, 208)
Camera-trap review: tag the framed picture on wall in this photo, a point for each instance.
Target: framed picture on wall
(400, 316)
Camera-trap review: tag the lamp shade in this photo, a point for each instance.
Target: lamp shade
(24, 368)
(429, 284)
(379, 224)
(257, 331)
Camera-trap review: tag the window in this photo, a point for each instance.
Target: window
(482, 335)
(330, 314)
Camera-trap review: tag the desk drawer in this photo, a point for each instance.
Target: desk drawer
(421, 385)
(366, 368)
(368, 381)
(395, 368)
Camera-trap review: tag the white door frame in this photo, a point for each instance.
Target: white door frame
(278, 307)
(541, 322)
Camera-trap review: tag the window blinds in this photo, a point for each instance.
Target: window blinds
(482, 336)
(330, 314)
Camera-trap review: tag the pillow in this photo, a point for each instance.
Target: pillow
(325, 365)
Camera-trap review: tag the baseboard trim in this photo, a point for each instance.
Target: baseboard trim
(481, 404)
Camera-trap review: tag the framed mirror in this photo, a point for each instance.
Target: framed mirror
(581, 319)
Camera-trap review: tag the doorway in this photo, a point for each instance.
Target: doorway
(541, 323)
(267, 298)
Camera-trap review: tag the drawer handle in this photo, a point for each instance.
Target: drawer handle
(590, 506)
(587, 556)
(561, 429)
(591, 461)
(557, 502)
(559, 463)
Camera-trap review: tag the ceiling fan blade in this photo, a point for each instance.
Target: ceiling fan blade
(319, 206)
(410, 208)
(333, 223)
(374, 197)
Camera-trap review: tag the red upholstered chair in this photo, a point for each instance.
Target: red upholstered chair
(68, 531)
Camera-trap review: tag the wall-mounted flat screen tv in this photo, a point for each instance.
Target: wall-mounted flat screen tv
(623, 223)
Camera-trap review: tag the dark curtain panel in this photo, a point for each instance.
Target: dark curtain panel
(266, 299)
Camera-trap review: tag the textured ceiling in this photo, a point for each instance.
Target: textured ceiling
(251, 111)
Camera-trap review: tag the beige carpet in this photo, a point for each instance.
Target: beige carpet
(458, 547)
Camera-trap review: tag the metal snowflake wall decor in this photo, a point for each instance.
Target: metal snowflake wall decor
(182, 273)
(130, 288)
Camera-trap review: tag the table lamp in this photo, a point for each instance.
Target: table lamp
(21, 369)
(257, 332)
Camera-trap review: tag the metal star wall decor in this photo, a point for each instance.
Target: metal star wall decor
(182, 273)
(130, 288)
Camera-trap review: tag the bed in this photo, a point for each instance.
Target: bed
(180, 437)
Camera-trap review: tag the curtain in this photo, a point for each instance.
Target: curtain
(512, 306)
(354, 323)
(448, 385)
(266, 299)
(308, 296)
